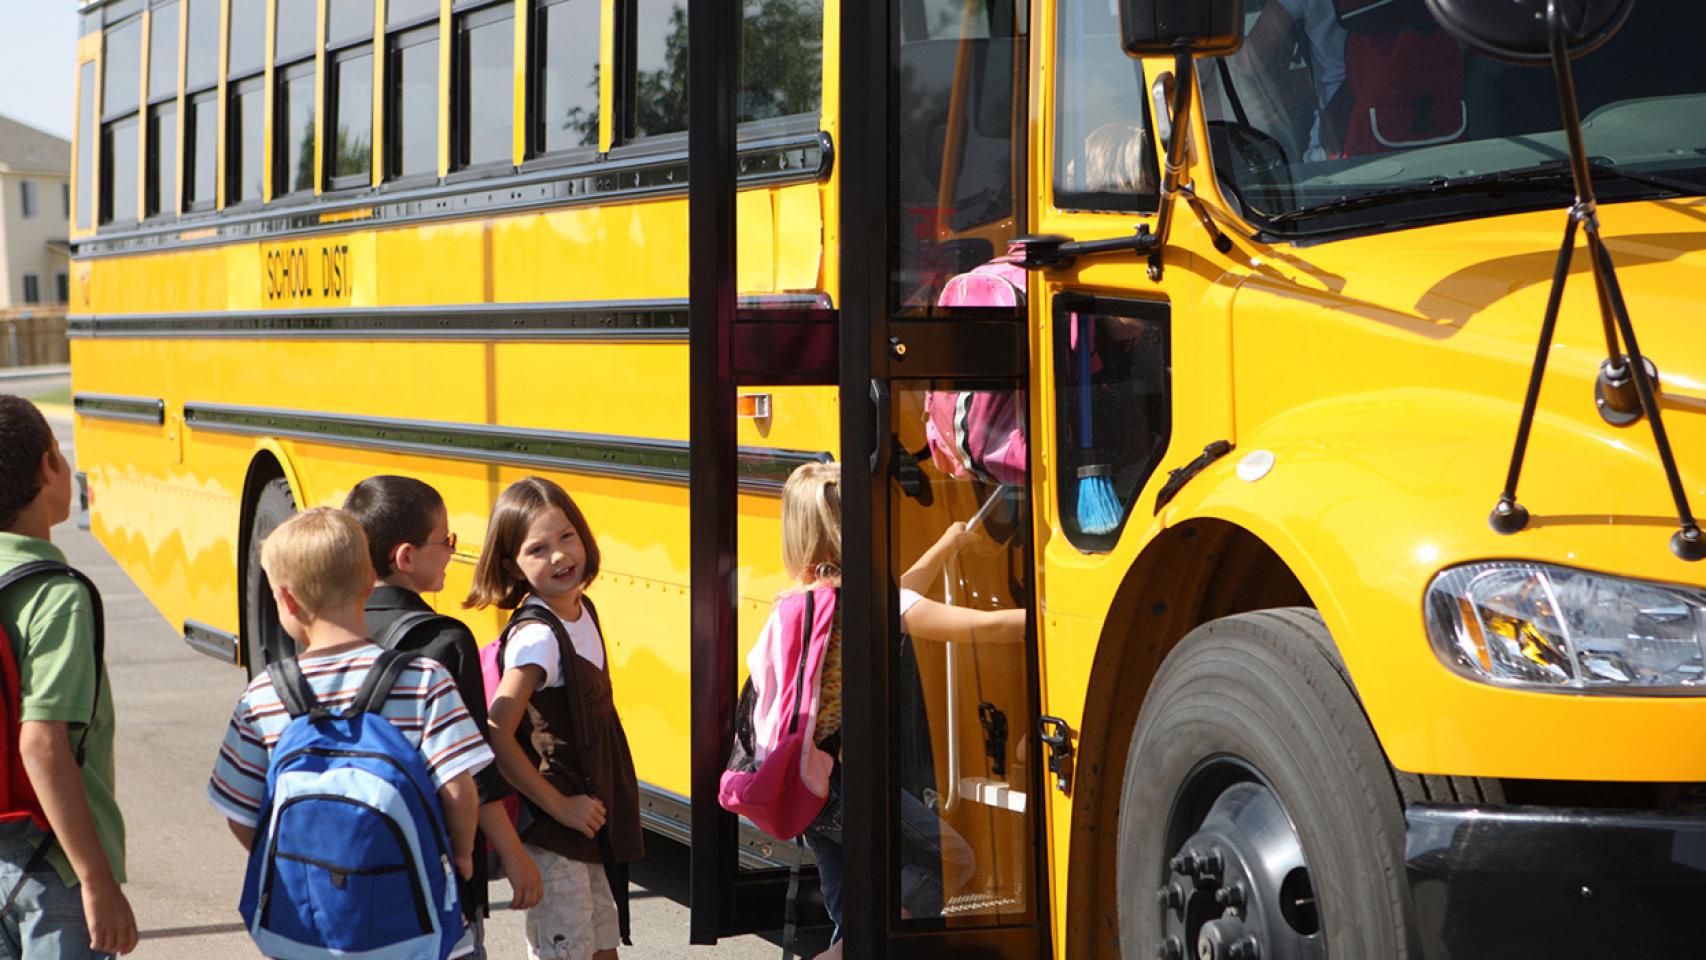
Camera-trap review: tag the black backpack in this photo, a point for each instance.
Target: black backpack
(392, 637)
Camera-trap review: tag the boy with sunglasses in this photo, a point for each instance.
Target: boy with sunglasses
(410, 542)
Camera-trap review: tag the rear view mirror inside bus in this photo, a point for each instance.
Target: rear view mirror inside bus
(1209, 28)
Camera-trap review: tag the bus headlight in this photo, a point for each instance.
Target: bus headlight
(1542, 626)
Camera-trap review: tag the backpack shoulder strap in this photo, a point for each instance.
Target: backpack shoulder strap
(381, 677)
(800, 698)
(400, 628)
(25, 571)
(524, 614)
(530, 613)
(293, 689)
(592, 611)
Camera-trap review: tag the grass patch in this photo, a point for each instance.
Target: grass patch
(59, 395)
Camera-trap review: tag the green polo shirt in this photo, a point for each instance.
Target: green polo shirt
(52, 627)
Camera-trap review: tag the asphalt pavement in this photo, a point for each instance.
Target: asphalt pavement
(185, 869)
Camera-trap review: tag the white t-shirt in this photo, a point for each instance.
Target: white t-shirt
(908, 599)
(534, 644)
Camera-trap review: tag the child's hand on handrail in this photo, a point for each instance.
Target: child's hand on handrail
(956, 538)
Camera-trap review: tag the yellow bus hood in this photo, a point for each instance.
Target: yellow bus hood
(1450, 316)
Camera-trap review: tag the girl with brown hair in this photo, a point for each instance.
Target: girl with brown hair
(553, 721)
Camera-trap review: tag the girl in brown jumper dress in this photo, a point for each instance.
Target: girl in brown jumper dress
(553, 721)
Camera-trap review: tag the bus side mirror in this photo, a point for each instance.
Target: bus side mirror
(1207, 28)
(1517, 31)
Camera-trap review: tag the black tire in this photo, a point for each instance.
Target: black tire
(1258, 704)
(264, 639)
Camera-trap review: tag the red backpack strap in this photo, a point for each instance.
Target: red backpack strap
(35, 568)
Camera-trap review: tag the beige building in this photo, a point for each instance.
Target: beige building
(35, 212)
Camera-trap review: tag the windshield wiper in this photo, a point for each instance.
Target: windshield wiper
(1599, 165)
(1553, 174)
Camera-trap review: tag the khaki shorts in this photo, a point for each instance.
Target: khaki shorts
(577, 916)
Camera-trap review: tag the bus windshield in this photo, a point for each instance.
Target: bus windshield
(1356, 115)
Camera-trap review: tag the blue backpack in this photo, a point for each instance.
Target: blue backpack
(351, 855)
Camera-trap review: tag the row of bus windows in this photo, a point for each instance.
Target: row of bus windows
(781, 75)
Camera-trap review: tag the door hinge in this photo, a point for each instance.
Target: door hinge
(1057, 736)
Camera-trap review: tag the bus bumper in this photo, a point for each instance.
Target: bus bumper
(1556, 882)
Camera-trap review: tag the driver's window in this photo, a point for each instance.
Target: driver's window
(1104, 157)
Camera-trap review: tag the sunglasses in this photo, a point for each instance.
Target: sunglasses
(448, 541)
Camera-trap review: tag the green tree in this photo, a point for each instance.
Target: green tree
(781, 69)
(781, 66)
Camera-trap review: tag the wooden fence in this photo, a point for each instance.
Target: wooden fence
(33, 337)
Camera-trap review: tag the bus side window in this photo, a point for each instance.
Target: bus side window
(1103, 155)
(201, 106)
(563, 76)
(781, 64)
(781, 59)
(483, 86)
(659, 64)
(161, 196)
(244, 101)
(86, 127)
(411, 95)
(122, 77)
(293, 97)
(349, 94)
(961, 161)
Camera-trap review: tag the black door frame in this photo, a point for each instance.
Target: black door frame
(877, 346)
(712, 293)
(728, 347)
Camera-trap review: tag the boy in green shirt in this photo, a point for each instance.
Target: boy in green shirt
(69, 906)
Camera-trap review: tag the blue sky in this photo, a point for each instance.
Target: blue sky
(38, 55)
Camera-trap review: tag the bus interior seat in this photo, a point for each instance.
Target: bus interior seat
(1405, 75)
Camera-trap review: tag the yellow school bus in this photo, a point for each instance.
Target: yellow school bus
(316, 243)
(1354, 520)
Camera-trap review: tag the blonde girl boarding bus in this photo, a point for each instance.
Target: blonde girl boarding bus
(937, 861)
(553, 721)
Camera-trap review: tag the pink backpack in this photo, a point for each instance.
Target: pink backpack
(776, 776)
(974, 433)
(998, 283)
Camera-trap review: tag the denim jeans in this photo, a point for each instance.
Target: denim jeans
(45, 921)
(934, 858)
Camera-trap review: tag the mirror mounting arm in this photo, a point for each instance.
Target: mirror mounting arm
(1620, 375)
(1053, 251)
(1173, 180)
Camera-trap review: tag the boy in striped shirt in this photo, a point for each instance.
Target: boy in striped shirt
(320, 573)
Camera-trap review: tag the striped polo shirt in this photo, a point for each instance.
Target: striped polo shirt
(424, 707)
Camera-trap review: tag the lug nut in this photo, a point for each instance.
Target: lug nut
(1170, 949)
(1244, 948)
(1171, 897)
(1212, 863)
(1186, 863)
(1230, 896)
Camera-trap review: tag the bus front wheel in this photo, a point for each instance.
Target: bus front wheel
(264, 639)
(1259, 818)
